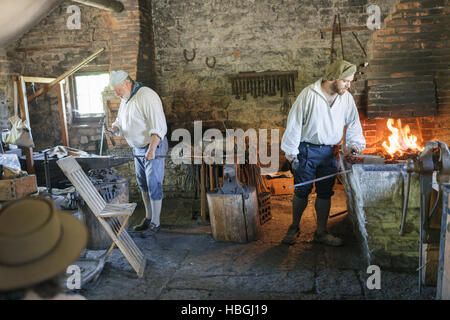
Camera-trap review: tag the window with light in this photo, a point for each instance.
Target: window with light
(88, 94)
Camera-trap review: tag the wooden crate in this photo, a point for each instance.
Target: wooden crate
(11, 189)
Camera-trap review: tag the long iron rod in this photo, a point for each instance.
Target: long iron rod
(405, 204)
(321, 178)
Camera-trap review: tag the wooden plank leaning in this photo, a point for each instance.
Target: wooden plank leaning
(107, 214)
(65, 75)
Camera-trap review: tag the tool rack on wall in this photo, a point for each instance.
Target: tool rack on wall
(260, 84)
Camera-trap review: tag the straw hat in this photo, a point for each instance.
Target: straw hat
(37, 242)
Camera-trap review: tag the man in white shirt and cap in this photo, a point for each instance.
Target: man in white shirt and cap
(142, 122)
(315, 125)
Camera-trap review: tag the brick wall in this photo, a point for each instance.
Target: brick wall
(409, 71)
(146, 72)
(124, 33)
(132, 51)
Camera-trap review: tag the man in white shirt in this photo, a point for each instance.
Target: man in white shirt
(315, 125)
(142, 122)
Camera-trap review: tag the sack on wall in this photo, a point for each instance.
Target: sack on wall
(20, 133)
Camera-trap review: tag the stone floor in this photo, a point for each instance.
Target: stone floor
(185, 262)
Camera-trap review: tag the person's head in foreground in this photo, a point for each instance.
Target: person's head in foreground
(37, 244)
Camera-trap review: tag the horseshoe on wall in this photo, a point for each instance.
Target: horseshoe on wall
(213, 64)
(185, 55)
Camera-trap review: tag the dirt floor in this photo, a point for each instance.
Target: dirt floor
(185, 262)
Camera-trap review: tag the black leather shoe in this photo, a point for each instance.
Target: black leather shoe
(291, 235)
(144, 225)
(154, 228)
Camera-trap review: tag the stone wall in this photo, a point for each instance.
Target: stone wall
(87, 137)
(375, 200)
(240, 35)
(48, 50)
(7, 68)
(247, 36)
(148, 40)
(51, 48)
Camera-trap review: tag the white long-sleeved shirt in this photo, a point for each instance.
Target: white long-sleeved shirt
(140, 117)
(312, 120)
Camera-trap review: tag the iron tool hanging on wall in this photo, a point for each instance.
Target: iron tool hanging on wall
(260, 84)
(336, 29)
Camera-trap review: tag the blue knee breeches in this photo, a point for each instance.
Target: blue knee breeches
(150, 173)
(315, 161)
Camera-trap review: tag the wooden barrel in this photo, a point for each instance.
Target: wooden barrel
(234, 218)
(98, 238)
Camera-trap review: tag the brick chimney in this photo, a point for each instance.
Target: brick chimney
(408, 74)
(408, 71)
(132, 50)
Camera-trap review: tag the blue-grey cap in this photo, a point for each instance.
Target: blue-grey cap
(117, 77)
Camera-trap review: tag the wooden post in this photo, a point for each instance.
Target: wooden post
(211, 177)
(203, 191)
(23, 101)
(62, 114)
(216, 176)
(23, 107)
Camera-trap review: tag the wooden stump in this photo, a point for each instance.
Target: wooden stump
(234, 218)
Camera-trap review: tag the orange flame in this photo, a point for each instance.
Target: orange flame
(400, 140)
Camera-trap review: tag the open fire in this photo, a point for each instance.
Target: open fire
(399, 146)
(400, 141)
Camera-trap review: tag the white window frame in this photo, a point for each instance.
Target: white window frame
(77, 116)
